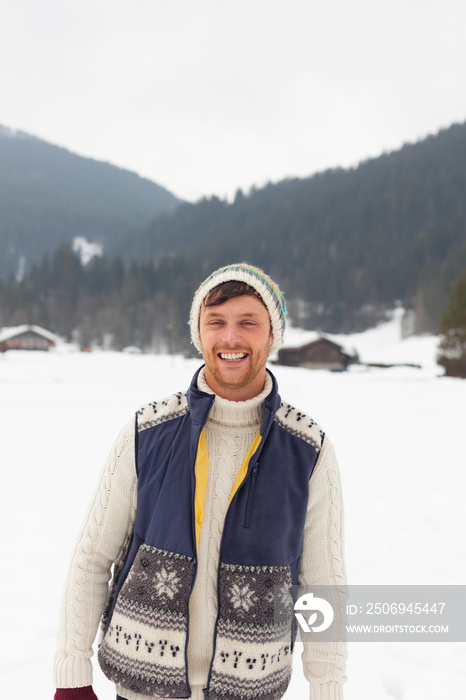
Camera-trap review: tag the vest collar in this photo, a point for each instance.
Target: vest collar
(201, 402)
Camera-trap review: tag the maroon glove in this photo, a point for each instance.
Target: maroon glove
(75, 694)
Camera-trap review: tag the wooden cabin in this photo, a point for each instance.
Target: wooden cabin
(26, 338)
(319, 354)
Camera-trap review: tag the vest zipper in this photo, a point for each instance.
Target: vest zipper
(250, 500)
(187, 625)
(253, 471)
(193, 530)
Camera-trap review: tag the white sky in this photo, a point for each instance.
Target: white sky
(205, 96)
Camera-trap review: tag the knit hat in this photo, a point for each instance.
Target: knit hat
(254, 277)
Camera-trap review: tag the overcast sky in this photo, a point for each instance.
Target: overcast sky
(206, 96)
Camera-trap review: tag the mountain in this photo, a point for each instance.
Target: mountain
(49, 196)
(346, 244)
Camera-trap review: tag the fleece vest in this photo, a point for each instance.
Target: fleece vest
(144, 648)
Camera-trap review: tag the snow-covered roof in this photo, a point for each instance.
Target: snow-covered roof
(368, 344)
(311, 338)
(13, 331)
(297, 338)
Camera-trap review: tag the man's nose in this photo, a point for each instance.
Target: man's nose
(231, 334)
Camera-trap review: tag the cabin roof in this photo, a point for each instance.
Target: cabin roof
(16, 331)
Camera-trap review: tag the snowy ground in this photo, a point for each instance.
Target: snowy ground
(399, 438)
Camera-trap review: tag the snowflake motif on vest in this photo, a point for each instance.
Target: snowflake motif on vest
(166, 583)
(143, 647)
(242, 597)
(253, 653)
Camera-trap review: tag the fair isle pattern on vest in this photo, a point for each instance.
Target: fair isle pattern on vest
(300, 424)
(253, 652)
(144, 647)
(160, 411)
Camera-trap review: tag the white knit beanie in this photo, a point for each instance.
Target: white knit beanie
(254, 277)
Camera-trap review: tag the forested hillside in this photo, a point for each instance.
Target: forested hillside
(345, 245)
(347, 242)
(49, 196)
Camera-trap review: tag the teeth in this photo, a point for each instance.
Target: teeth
(233, 356)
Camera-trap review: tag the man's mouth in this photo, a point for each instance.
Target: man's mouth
(232, 356)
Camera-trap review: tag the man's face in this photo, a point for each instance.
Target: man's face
(235, 340)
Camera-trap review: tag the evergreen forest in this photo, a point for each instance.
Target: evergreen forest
(345, 246)
(49, 196)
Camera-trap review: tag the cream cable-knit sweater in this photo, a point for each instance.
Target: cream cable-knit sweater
(230, 429)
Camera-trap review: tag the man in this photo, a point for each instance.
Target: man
(208, 502)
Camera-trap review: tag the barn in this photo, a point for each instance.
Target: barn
(322, 353)
(26, 337)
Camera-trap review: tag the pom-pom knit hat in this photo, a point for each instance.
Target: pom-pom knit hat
(254, 277)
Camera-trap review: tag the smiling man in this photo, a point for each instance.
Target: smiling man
(208, 502)
(235, 337)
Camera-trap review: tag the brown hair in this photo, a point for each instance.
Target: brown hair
(229, 290)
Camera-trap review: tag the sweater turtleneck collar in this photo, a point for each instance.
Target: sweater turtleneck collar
(235, 413)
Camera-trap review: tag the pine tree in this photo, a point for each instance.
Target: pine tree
(453, 329)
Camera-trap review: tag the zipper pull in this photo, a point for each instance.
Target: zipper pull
(206, 693)
(250, 498)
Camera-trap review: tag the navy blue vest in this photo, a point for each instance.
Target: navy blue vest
(144, 648)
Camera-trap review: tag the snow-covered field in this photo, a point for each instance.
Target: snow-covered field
(400, 442)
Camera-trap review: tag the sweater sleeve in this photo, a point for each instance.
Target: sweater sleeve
(322, 563)
(102, 542)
